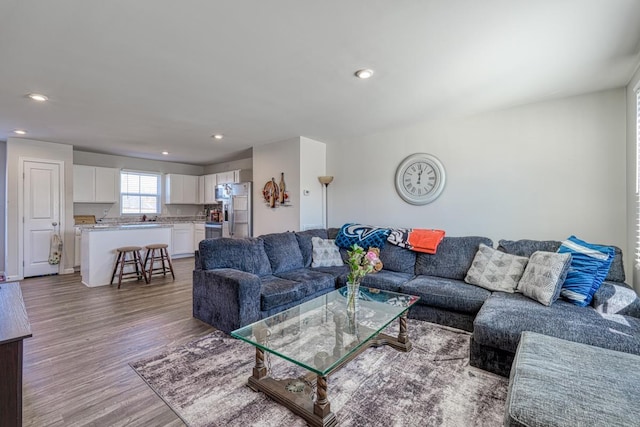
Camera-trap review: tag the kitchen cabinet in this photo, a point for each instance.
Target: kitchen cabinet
(181, 189)
(182, 240)
(210, 182)
(235, 176)
(201, 198)
(92, 184)
(198, 235)
(225, 177)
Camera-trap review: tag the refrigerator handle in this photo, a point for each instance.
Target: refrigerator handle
(232, 217)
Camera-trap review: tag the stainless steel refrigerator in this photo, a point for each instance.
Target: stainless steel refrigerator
(237, 209)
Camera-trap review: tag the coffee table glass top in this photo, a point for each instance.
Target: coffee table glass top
(319, 334)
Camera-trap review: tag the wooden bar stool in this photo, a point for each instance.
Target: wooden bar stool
(162, 256)
(134, 259)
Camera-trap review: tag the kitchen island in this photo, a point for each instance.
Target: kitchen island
(99, 243)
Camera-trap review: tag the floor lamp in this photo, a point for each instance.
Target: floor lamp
(326, 180)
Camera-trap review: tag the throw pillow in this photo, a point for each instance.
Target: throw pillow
(589, 266)
(544, 276)
(325, 253)
(365, 236)
(495, 270)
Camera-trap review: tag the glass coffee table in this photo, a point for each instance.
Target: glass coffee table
(320, 336)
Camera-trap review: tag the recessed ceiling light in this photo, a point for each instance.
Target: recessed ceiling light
(218, 136)
(38, 97)
(364, 73)
(20, 132)
(165, 153)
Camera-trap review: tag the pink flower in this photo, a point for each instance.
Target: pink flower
(372, 257)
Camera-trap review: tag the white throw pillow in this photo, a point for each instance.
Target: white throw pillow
(544, 276)
(325, 253)
(495, 270)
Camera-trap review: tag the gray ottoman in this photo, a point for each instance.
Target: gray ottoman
(557, 383)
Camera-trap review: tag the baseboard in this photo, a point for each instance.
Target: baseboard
(68, 271)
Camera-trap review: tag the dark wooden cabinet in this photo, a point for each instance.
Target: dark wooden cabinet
(14, 328)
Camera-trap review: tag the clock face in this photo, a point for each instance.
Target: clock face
(420, 179)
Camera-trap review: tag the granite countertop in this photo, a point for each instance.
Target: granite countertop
(137, 226)
(128, 223)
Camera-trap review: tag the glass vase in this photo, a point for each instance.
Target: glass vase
(353, 293)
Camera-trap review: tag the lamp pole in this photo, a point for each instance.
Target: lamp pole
(326, 180)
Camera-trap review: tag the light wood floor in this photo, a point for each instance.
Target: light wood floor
(76, 368)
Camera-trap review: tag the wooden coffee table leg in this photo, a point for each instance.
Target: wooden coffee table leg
(322, 407)
(260, 370)
(403, 336)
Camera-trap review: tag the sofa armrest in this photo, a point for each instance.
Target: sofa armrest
(226, 298)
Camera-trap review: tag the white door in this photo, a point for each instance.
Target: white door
(41, 211)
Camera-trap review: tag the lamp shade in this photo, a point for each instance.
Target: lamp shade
(326, 180)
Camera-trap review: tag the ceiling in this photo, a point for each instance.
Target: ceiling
(135, 78)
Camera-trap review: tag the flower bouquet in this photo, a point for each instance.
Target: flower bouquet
(361, 263)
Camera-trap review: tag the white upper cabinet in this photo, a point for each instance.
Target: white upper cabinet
(181, 189)
(235, 176)
(225, 177)
(92, 184)
(210, 182)
(201, 198)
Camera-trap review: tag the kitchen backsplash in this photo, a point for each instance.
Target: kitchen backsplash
(113, 212)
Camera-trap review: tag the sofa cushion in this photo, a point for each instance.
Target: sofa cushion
(528, 247)
(544, 276)
(395, 258)
(503, 317)
(306, 247)
(333, 271)
(453, 258)
(561, 383)
(276, 291)
(283, 251)
(385, 280)
(450, 294)
(590, 265)
(495, 270)
(325, 253)
(616, 298)
(311, 281)
(245, 254)
(365, 236)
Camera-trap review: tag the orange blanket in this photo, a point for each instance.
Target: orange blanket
(417, 239)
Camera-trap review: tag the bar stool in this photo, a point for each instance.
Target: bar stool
(161, 256)
(122, 261)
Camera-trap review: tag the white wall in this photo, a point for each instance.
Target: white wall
(121, 162)
(268, 162)
(229, 166)
(632, 198)
(3, 194)
(302, 160)
(541, 171)
(313, 156)
(27, 148)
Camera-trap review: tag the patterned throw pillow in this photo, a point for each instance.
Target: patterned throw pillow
(495, 270)
(590, 264)
(365, 236)
(325, 253)
(544, 276)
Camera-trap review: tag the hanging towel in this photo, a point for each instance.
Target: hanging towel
(417, 239)
(55, 250)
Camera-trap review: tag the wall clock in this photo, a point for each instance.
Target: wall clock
(420, 179)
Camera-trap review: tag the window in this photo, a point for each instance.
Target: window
(139, 193)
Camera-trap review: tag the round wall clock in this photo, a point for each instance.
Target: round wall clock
(420, 179)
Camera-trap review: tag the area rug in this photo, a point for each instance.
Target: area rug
(204, 382)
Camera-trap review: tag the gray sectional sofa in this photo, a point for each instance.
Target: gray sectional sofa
(240, 281)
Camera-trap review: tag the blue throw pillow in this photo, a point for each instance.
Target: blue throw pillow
(365, 236)
(589, 266)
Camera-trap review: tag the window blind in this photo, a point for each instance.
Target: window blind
(139, 193)
(637, 260)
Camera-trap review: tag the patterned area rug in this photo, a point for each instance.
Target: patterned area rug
(204, 382)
